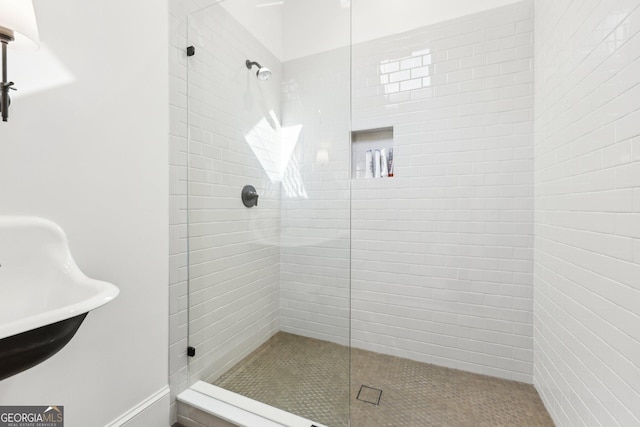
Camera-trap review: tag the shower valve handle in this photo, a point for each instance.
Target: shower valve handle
(253, 195)
(249, 196)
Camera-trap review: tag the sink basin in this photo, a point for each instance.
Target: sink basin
(44, 297)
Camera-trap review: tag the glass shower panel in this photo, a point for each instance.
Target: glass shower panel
(269, 285)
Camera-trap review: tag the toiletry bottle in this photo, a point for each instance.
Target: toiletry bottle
(368, 172)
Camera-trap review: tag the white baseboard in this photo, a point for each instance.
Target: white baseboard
(153, 411)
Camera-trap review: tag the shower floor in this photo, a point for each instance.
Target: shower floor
(310, 378)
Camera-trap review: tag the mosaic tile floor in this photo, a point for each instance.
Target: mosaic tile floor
(310, 378)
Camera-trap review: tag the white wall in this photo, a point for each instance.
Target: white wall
(587, 260)
(292, 29)
(91, 155)
(263, 19)
(314, 26)
(373, 19)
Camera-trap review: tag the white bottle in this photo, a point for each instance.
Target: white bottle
(368, 172)
(383, 163)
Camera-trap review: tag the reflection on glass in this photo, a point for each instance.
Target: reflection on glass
(406, 73)
(273, 146)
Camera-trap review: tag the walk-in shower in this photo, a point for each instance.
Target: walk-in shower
(344, 298)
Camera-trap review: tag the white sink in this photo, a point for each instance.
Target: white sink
(41, 285)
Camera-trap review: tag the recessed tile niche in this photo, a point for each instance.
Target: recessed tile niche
(371, 140)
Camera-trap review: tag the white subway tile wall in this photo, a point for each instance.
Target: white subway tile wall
(587, 227)
(442, 256)
(315, 264)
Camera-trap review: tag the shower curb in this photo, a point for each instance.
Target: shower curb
(237, 409)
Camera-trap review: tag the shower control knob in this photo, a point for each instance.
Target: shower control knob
(249, 196)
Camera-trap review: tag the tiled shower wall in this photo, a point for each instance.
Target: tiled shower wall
(587, 292)
(315, 257)
(442, 252)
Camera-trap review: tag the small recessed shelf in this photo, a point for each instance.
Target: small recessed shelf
(366, 140)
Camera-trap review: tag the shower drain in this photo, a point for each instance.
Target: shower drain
(369, 395)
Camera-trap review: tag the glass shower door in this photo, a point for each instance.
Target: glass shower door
(269, 283)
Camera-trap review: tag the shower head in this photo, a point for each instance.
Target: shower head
(263, 72)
